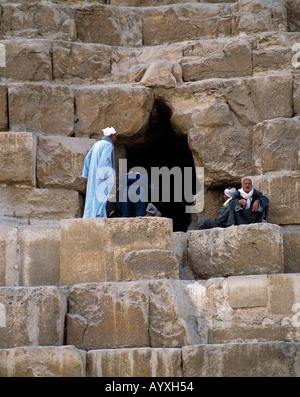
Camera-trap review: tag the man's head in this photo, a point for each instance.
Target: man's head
(111, 133)
(247, 184)
(229, 193)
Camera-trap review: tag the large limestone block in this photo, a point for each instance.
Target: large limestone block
(18, 159)
(38, 20)
(60, 162)
(282, 189)
(97, 108)
(9, 258)
(39, 248)
(237, 250)
(114, 26)
(32, 316)
(3, 108)
(291, 247)
(276, 145)
(174, 320)
(38, 205)
(43, 361)
(41, 108)
(220, 58)
(108, 315)
(81, 61)
(27, 60)
(94, 249)
(270, 359)
(136, 362)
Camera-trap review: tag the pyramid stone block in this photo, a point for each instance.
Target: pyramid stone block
(237, 250)
(42, 361)
(9, 259)
(136, 362)
(92, 249)
(32, 316)
(18, 154)
(3, 108)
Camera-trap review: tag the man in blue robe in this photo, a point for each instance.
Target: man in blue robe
(248, 205)
(99, 168)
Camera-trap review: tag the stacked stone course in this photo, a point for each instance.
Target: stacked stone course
(130, 297)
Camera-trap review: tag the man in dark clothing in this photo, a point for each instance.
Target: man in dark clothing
(222, 218)
(248, 206)
(134, 191)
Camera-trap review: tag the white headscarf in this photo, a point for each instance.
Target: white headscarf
(109, 131)
(230, 192)
(247, 196)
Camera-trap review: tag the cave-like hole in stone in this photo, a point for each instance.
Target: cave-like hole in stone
(164, 148)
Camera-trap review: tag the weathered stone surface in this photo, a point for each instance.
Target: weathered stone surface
(108, 315)
(3, 108)
(38, 205)
(80, 61)
(217, 58)
(151, 263)
(93, 249)
(272, 359)
(27, 60)
(60, 162)
(38, 20)
(138, 362)
(276, 145)
(33, 316)
(244, 249)
(39, 249)
(97, 108)
(48, 361)
(9, 260)
(18, 159)
(38, 107)
(291, 247)
(282, 189)
(162, 74)
(296, 94)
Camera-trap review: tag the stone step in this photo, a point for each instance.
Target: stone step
(84, 63)
(137, 26)
(152, 313)
(258, 359)
(31, 255)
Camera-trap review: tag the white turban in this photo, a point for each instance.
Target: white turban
(109, 131)
(230, 192)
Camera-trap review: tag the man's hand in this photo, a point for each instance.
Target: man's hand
(255, 206)
(243, 201)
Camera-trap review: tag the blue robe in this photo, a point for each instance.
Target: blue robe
(99, 168)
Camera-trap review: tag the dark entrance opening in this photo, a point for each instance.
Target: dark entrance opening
(164, 148)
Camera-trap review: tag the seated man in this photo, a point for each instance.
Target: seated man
(248, 205)
(222, 218)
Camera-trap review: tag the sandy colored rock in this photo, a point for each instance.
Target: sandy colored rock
(41, 108)
(3, 108)
(33, 316)
(97, 108)
(108, 315)
(38, 205)
(39, 248)
(93, 249)
(60, 162)
(291, 247)
(80, 61)
(162, 74)
(276, 145)
(282, 189)
(9, 258)
(244, 249)
(27, 60)
(18, 155)
(135, 362)
(37, 361)
(271, 359)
